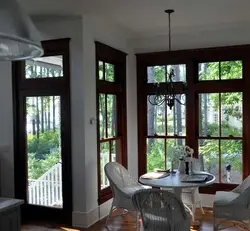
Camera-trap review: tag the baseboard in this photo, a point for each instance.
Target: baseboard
(85, 220)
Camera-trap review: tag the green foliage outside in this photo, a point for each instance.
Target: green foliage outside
(43, 153)
(43, 122)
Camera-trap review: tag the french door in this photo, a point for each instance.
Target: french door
(42, 134)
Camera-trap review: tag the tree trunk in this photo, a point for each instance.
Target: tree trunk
(113, 117)
(151, 111)
(102, 112)
(42, 116)
(178, 107)
(54, 114)
(205, 108)
(33, 115)
(45, 114)
(49, 113)
(37, 117)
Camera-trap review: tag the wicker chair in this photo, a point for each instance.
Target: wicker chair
(160, 210)
(191, 196)
(123, 186)
(233, 206)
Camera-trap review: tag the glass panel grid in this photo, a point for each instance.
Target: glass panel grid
(225, 70)
(159, 74)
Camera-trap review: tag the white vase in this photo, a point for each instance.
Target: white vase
(182, 166)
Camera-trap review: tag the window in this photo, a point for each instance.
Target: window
(166, 129)
(220, 140)
(214, 121)
(111, 113)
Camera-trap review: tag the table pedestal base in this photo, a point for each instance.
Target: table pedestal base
(178, 193)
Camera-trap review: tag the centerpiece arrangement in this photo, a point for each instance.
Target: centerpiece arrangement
(185, 156)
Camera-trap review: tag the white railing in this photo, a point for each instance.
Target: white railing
(47, 189)
(105, 160)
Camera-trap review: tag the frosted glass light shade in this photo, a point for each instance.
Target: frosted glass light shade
(19, 39)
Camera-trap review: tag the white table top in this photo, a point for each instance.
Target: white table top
(174, 181)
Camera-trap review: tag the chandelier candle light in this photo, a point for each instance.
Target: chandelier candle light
(167, 94)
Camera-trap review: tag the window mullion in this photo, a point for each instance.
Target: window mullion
(220, 137)
(106, 116)
(165, 153)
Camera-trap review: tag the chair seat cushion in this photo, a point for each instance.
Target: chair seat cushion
(160, 220)
(224, 198)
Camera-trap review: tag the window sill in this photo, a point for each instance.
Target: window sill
(105, 195)
(212, 189)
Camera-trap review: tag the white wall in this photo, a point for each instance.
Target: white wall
(6, 134)
(83, 31)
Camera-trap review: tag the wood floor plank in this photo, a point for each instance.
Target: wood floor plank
(127, 223)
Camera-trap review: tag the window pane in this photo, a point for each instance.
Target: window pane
(231, 70)
(116, 150)
(171, 146)
(102, 116)
(231, 161)
(104, 155)
(209, 114)
(209, 71)
(44, 67)
(176, 118)
(43, 132)
(155, 154)
(100, 68)
(156, 120)
(231, 114)
(209, 156)
(109, 72)
(111, 110)
(159, 73)
(179, 71)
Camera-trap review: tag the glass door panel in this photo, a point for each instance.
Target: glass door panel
(43, 139)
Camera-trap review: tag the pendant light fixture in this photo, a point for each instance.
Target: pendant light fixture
(167, 93)
(19, 39)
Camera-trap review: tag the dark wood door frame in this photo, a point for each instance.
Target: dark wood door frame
(23, 88)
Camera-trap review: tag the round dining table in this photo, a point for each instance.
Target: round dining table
(176, 183)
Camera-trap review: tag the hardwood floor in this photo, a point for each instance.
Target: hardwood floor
(127, 223)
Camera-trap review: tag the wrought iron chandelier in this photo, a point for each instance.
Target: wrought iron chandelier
(168, 92)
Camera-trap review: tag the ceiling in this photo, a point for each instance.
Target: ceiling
(147, 17)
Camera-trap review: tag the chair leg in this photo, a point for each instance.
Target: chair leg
(202, 210)
(215, 225)
(137, 220)
(193, 212)
(110, 214)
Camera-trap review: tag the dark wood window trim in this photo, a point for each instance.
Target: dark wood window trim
(113, 56)
(22, 88)
(191, 58)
